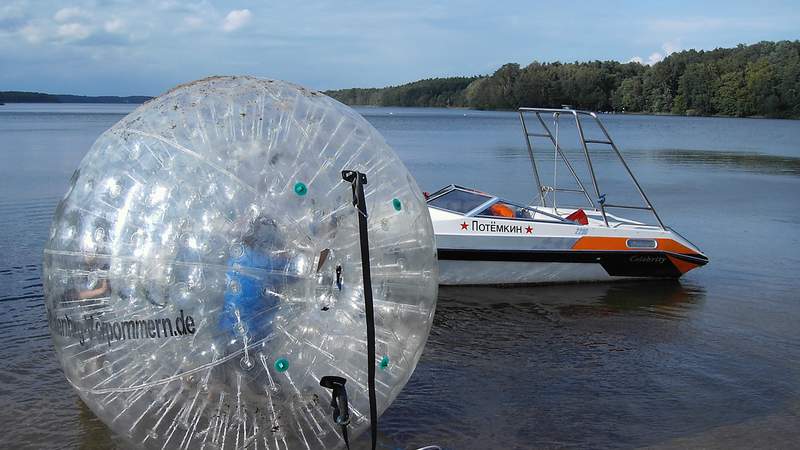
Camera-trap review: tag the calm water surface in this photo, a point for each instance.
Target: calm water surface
(712, 360)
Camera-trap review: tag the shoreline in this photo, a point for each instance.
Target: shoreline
(610, 113)
(459, 108)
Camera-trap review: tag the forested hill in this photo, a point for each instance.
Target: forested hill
(38, 97)
(749, 80)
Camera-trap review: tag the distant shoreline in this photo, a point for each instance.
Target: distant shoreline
(9, 97)
(610, 113)
(457, 108)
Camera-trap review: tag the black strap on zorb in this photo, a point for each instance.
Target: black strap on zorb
(357, 181)
(341, 410)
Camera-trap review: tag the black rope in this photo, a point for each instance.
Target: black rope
(357, 181)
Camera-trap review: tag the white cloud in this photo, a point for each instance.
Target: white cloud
(11, 13)
(67, 14)
(32, 34)
(114, 25)
(193, 21)
(654, 57)
(667, 48)
(670, 48)
(73, 31)
(236, 19)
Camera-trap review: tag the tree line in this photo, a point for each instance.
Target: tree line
(762, 79)
(39, 97)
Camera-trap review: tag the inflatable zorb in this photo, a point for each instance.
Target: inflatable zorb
(203, 274)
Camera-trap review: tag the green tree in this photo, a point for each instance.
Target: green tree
(695, 90)
(730, 96)
(629, 96)
(759, 79)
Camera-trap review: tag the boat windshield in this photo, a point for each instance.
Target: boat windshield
(508, 210)
(463, 201)
(459, 201)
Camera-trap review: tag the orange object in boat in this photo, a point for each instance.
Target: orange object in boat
(579, 216)
(499, 209)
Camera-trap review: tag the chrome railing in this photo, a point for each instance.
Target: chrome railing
(598, 203)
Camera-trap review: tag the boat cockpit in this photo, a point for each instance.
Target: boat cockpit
(472, 203)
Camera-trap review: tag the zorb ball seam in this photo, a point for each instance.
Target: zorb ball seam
(203, 271)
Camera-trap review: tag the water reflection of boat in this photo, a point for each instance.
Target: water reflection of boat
(666, 297)
(483, 239)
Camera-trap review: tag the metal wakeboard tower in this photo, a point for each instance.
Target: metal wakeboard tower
(598, 202)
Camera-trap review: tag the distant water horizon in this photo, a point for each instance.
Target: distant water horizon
(368, 107)
(22, 97)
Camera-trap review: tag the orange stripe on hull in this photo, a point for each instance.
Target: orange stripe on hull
(596, 243)
(620, 243)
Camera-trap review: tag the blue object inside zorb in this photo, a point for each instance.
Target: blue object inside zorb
(251, 298)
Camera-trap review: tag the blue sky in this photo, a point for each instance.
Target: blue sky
(120, 47)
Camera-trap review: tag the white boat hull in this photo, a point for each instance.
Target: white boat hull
(498, 251)
(455, 273)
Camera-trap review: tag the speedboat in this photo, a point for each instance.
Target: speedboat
(483, 239)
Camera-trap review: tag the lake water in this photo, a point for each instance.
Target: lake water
(712, 360)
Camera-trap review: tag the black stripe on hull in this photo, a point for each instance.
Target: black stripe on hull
(616, 263)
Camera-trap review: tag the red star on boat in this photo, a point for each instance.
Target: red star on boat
(529, 229)
(464, 226)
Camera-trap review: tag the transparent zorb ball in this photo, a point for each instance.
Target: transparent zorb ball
(203, 271)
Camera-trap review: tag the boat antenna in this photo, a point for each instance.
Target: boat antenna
(556, 117)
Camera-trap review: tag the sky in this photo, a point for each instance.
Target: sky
(144, 47)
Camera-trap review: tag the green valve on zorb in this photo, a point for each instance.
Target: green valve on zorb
(300, 188)
(282, 365)
(384, 363)
(397, 205)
